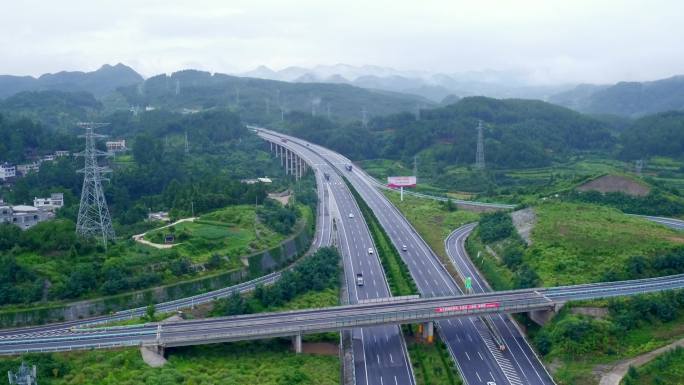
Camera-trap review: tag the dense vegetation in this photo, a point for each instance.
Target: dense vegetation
(318, 272)
(519, 133)
(659, 134)
(48, 262)
(574, 335)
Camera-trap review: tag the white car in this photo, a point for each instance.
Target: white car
(370, 250)
(403, 247)
(351, 215)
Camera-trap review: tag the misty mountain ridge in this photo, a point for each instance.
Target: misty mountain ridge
(629, 99)
(433, 86)
(99, 83)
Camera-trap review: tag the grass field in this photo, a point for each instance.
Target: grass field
(233, 231)
(578, 243)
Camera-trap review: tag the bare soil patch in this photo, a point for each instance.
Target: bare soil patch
(322, 348)
(615, 183)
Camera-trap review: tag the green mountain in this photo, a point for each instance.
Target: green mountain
(259, 100)
(631, 99)
(56, 109)
(99, 83)
(660, 134)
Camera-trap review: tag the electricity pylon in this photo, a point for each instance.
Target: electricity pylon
(479, 156)
(93, 214)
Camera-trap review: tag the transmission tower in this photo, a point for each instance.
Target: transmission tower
(638, 166)
(24, 376)
(479, 156)
(187, 147)
(93, 214)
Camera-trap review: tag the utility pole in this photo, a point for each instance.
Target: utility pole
(415, 166)
(364, 118)
(192, 209)
(282, 114)
(187, 147)
(479, 155)
(93, 214)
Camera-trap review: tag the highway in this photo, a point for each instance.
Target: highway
(527, 363)
(365, 314)
(469, 340)
(380, 355)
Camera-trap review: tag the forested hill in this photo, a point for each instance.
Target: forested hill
(518, 133)
(99, 83)
(258, 100)
(660, 134)
(631, 99)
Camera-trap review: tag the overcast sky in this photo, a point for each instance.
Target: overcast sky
(553, 40)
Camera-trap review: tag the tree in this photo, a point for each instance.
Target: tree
(150, 311)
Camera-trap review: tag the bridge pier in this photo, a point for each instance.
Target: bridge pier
(297, 343)
(543, 316)
(428, 331)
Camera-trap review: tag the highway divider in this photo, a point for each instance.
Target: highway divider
(398, 276)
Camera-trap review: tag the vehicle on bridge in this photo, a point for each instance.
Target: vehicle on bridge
(359, 279)
(283, 140)
(403, 248)
(348, 167)
(351, 215)
(370, 250)
(326, 175)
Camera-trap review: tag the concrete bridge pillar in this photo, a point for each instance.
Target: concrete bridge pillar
(297, 343)
(428, 330)
(299, 168)
(288, 159)
(543, 316)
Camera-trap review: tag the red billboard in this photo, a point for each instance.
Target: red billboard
(401, 181)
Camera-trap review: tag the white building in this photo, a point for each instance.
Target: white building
(55, 201)
(62, 153)
(24, 169)
(7, 171)
(159, 216)
(116, 145)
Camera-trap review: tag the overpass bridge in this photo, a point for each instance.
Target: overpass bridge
(296, 323)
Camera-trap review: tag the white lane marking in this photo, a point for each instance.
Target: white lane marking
(480, 354)
(391, 359)
(478, 376)
(467, 355)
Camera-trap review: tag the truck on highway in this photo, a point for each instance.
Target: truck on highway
(359, 279)
(348, 167)
(326, 175)
(283, 140)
